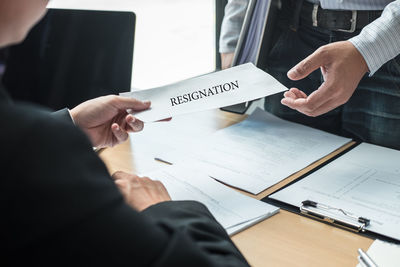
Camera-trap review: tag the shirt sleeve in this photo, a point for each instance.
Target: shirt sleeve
(379, 41)
(232, 23)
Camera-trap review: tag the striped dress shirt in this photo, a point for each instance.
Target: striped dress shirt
(378, 42)
(352, 4)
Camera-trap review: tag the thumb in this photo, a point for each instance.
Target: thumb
(130, 103)
(120, 175)
(306, 66)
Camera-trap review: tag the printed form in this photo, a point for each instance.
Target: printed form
(365, 181)
(233, 210)
(258, 152)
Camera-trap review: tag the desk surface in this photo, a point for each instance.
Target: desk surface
(285, 239)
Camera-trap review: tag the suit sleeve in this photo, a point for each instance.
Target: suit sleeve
(74, 213)
(63, 114)
(4, 96)
(198, 224)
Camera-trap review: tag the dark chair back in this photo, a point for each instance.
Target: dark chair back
(72, 56)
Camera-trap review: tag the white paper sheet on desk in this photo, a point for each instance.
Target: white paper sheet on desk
(224, 88)
(365, 182)
(233, 210)
(258, 152)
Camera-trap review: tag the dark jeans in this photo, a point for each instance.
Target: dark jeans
(373, 112)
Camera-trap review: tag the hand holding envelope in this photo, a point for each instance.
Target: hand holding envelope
(219, 89)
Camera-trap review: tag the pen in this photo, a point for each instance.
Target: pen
(365, 259)
(163, 161)
(361, 262)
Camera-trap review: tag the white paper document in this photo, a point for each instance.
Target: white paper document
(384, 254)
(219, 89)
(233, 210)
(365, 181)
(259, 152)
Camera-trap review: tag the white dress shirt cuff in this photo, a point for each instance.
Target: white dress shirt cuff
(379, 41)
(72, 119)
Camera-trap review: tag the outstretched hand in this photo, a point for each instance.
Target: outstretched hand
(105, 120)
(342, 67)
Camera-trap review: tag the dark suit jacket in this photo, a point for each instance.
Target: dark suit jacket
(61, 208)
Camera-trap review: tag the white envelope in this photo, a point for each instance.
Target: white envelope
(219, 89)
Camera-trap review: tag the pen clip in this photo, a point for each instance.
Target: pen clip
(325, 213)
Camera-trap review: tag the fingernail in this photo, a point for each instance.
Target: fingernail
(130, 119)
(147, 102)
(117, 128)
(136, 127)
(292, 72)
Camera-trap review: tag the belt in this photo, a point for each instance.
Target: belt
(337, 20)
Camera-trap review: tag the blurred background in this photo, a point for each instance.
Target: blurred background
(174, 39)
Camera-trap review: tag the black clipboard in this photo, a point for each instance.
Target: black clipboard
(296, 210)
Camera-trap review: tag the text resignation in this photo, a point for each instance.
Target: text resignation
(214, 90)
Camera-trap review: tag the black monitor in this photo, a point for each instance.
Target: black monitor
(72, 56)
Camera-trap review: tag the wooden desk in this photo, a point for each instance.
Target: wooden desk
(285, 239)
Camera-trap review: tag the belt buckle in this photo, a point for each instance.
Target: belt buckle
(314, 15)
(353, 22)
(353, 19)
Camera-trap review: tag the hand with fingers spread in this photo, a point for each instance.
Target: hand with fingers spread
(105, 120)
(342, 67)
(140, 193)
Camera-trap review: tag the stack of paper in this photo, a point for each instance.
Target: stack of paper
(258, 152)
(364, 182)
(233, 210)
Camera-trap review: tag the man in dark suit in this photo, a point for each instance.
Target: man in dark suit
(61, 208)
(59, 205)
